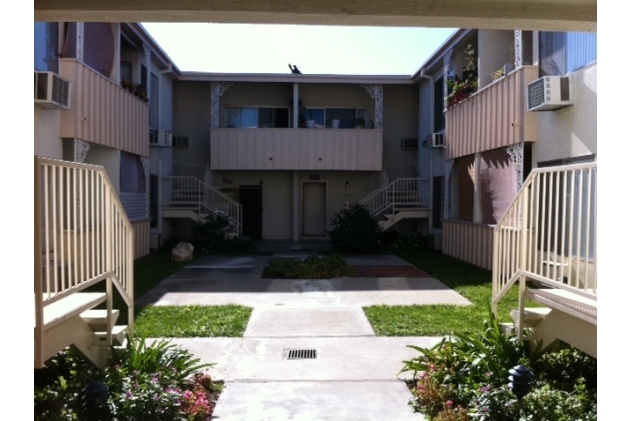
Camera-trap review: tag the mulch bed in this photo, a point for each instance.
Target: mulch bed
(384, 271)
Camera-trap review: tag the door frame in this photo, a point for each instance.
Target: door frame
(326, 207)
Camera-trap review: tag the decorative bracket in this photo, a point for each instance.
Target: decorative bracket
(516, 154)
(447, 70)
(80, 38)
(519, 48)
(376, 93)
(217, 89)
(147, 52)
(81, 148)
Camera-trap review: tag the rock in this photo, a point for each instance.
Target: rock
(182, 252)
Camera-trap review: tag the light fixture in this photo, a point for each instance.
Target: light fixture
(520, 381)
(347, 184)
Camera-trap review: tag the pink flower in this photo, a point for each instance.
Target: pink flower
(449, 403)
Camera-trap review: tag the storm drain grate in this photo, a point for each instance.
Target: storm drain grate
(300, 354)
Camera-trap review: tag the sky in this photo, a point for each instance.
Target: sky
(248, 48)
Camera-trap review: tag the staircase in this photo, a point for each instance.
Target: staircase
(401, 199)
(84, 246)
(190, 197)
(546, 244)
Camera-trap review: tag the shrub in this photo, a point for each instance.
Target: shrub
(313, 267)
(211, 237)
(158, 381)
(395, 241)
(354, 230)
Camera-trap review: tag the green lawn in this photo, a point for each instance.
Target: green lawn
(192, 321)
(472, 282)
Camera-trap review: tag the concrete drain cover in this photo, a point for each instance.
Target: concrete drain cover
(300, 354)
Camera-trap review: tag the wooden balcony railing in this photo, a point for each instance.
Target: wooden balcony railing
(296, 149)
(102, 112)
(493, 117)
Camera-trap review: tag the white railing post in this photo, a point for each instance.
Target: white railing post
(38, 268)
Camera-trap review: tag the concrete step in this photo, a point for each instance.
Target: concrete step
(119, 333)
(532, 315)
(97, 319)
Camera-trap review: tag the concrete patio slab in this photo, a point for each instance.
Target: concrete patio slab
(314, 322)
(353, 359)
(311, 401)
(336, 292)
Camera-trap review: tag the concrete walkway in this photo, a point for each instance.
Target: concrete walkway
(355, 373)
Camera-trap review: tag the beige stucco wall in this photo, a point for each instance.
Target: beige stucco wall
(400, 120)
(46, 133)
(109, 158)
(495, 48)
(191, 117)
(278, 197)
(571, 131)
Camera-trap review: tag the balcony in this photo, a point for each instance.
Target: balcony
(493, 117)
(296, 149)
(102, 112)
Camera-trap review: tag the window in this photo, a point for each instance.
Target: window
(563, 52)
(322, 116)
(126, 70)
(439, 105)
(253, 117)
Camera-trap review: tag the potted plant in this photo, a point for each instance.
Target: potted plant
(359, 123)
(335, 121)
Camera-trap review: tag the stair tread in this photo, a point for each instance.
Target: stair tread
(71, 306)
(98, 315)
(116, 329)
(565, 300)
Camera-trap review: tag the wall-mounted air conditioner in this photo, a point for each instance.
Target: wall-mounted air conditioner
(180, 141)
(409, 144)
(162, 138)
(52, 91)
(437, 140)
(549, 93)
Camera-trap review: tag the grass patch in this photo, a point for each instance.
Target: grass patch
(472, 282)
(192, 321)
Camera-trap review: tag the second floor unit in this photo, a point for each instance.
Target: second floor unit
(119, 85)
(296, 121)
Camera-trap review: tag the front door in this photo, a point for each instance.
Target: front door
(251, 199)
(314, 209)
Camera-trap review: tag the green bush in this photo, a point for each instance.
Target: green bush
(354, 230)
(157, 381)
(471, 371)
(211, 237)
(313, 267)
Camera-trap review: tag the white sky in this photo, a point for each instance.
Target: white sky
(247, 48)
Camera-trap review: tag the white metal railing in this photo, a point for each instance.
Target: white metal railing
(82, 237)
(400, 194)
(135, 205)
(549, 233)
(191, 192)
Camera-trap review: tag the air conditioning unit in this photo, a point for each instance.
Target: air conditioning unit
(52, 91)
(437, 140)
(549, 93)
(409, 144)
(162, 138)
(180, 141)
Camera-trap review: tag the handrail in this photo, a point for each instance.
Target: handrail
(548, 233)
(82, 235)
(189, 190)
(400, 193)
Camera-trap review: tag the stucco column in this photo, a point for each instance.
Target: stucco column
(448, 167)
(145, 166)
(477, 190)
(217, 89)
(296, 206)
(147, 52)
(376, 93)
(296, 105)
(516, 155)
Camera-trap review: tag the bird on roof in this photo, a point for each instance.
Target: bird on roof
(294, 69)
